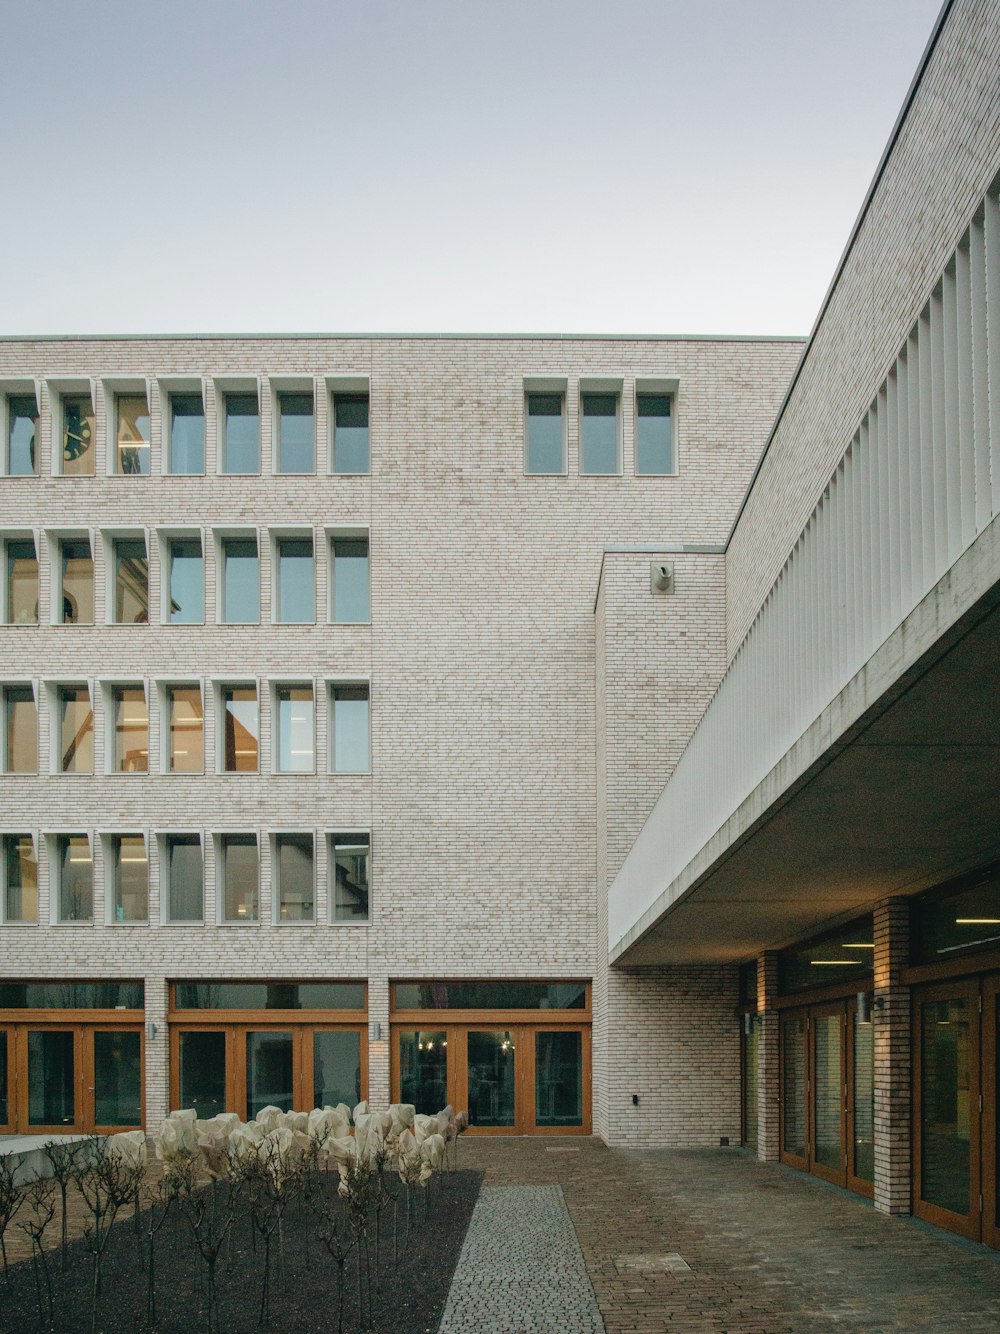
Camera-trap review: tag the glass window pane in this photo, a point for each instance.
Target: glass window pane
(51, 1081)
(202, 1073)
(491, 995)
(76, 731)
(349, 861)
(22, 431)
(117, 1078)
(491, 1079)
(751, 1077)
(350, 433)
(968, 918)
(187, 434)
(241, 871)
(267, 995)
(78, 436)
(946, 1093)
(21, 755)
(241, 714)
(793, 1138)
(351, 751)
(296, 730)
(21, 879)
(131, 582)
(599, 434)
(76, 879)
(337, 1068)
(864, 1099)
(653, 444)
(130, 902)
(72, 995)
(187, 582)
(294, 855)
(242, 444)
(295, 433)
(559, 1079)
(22, 583)
(5, 1116)
(296, 596)
(186, 878)
(241, 582)
(423, 1070)
(133, 435)
(842, 956)
(546, 443)
(131, 722)
(77, 583)
(351, 586)
(187, 730)
(269, 1072)
(827, 1100)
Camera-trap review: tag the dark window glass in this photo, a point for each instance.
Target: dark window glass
(270, 1072)
(828, 1097)
(964, 919)
(72, 995)
(5, 1116)
(22, 583)
(751, 1077)
(270, 996)
(51, 1078)
(847, 955)
(241, 581)
(546, 438)
(336, 1068)
(187, 434)
(131, 582)
(350, 433)
(117, 1079)
(187, 582)
(491, 1078)
(599, 435)
(203, 1072)
(185, 874)
(653, 443)
(350, 587)
(864, 1098)
(423, 1070)
(559, 1079)
(242, 444)
(133, 435)
(349, 859)
(793, 1068)
(22, 431)
(946, 1093)
(295, 433)
(491, 995)
(78, 436)
(748, 984)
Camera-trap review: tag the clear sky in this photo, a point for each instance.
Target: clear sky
(620, 166)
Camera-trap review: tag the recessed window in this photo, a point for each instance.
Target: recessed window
(130, 875)
(295, 890)
(78, 436)
(20, 730)
(296, 597)
(240, 581)
(20, 898)
(76, 591)
(241, 447)
(350, 587)
(349, 859)
(22, 435)
(545, 434)
(296, 729)
(187, 435)
(185, 730)
(132, 435)
(296, 433)
(131, 736)
(599, 435)
(350, 433)
(75, 863)
(22, 582)
(240, 877)
(76, 730)
(240, 729)
(349, 718)
(131, 590)
(187, 581)
(185, 874)
(654, 452)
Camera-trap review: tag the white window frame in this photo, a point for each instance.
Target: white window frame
(219, 685)
(331, 876)
(331, 683)
(165, 538)
(10, 388)
(670, 387)
(52, 840)
(602, 385)
(219, 844)
(220, 536)
(168, 385)
(292, 533)
(345, 383)
(237, 384)
(161, 839)
(6, 683)
(545, 384)
(108, 686)
(164, 686)
(350, 533)
(275, 876)
(12, 832)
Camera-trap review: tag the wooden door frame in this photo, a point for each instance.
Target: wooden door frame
(786, 1156)
(855, 1183)
(7, 1126)
(22, 1112)
(89, 1079)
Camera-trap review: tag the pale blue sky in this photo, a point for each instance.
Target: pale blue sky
(645, 166)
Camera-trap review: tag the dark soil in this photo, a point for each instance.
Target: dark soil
(408, 1299)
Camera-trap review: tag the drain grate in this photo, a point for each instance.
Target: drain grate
(554, 1148)
(669, 1263)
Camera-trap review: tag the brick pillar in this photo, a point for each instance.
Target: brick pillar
(891, 1020)
(157, 1054)
(768, 1089)
(378, 1047)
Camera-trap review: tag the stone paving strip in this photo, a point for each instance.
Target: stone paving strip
(521, 1270)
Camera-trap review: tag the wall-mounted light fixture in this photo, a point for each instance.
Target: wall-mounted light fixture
(151, 1030)
(377, 1031)
(748, 1023)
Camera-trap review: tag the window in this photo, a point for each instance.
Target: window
(240, 875)
(187, 435)
(296, 729)
(75, 865)
(22, 582)
(187, 582)
(185, 730)
(654, 454)
(545, 434)
(22, 435)
(130, 895)
(20, 730)
(20, 898)
(78, 436)
(240, 581)
(130, 754)
(351, 751)
(131, 581)
(600, 455)
(132, 435)
(76, 730)
(350, 588)
(241, 447)
(296, 598)
(349, 858)
(76, 592)
(185, 875)
(241, 729)
(293, 863)
(295, 433)
(350, 433)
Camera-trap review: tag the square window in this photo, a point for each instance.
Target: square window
(351, 452)
(600, 455)
(186, 451)
(185, 876)
(654, 452)
(295, 895)
(132, 435)
(20, 889)
(240, 582)
(296, 712)
(75, 870)
(186, 604)
(130, 752)
(76, 584)
(296, 433)
(76, 730)
(22, 435)
(240, 729)
(350, 751)
(130, 893)
(296, 596)
(185, 730)
(350, 585)
(20, 730)
(349, 870)
(545, 434)
(240, 867)
(131, 581)
(21, 582)
(241, 446)
(78, 436)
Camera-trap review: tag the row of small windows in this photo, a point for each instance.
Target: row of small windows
(184, 434)
(182, 578)
(601, 433)
(291, 719)
(238, 892)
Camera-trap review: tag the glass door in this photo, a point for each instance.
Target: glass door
(794, 1089)
(990, 1132)
(558, 1078)
(113, 1079)
(50, 1090)
(269, 1071)
(200, 1070)
(338, 1067)
(7, 1098)
(827, 1158)
(491, 1074)
(860, 1131)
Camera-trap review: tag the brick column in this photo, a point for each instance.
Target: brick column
(378, 1048)
(891, 1020)
(157, 1054)
(767, 1060)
